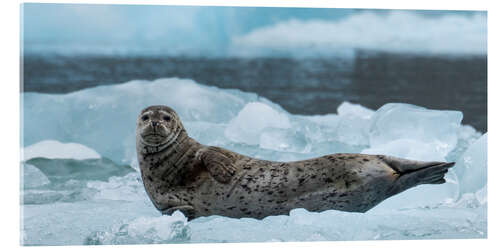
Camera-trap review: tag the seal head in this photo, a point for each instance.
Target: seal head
(158, 127)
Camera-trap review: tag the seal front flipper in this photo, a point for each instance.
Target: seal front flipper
(187, 210)
(218, 163)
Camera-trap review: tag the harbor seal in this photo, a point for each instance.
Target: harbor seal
(179, 173)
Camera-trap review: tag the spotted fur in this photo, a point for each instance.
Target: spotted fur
(181, 174)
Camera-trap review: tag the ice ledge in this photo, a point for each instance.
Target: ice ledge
(52, 149)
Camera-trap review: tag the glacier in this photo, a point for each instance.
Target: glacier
(81, 184)
(136, 30)
(396, 31)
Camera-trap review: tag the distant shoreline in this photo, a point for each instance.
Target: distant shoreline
(300, 85)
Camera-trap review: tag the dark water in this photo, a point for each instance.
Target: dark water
(301, 86)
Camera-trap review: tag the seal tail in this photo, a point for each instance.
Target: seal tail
(413, 173)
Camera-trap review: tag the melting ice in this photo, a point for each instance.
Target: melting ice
(81, 185)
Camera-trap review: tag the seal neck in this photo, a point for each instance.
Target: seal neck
(172, 162)
(176, 146)
(149, 149)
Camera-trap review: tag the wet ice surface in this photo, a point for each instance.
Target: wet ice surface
(95, 195)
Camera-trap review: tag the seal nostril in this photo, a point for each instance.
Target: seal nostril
(154, 124)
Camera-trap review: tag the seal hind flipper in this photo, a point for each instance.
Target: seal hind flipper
(422, 173)
(403, 166)
(218, 163)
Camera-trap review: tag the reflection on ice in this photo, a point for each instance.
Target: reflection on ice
(93, 194)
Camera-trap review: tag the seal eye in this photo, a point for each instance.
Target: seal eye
(166, 118)
(145, 117)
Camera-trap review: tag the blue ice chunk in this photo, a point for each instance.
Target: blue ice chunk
(472, 167)
(436, 130)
